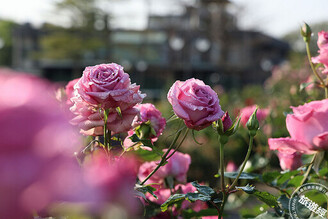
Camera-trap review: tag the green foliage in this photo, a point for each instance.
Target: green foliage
(144, 189)
(233, 175)
(171, 200)
(265, 197)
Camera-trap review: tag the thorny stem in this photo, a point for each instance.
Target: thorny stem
(315, 71)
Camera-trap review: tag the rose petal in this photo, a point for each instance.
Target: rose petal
(289, 145)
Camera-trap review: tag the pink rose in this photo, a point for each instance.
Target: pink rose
(148, 112)
(37, 167)
(69, 90)
(91, 120)
(246, 112)
(290, 161)
(308, 128)
(322, 39)
(323, 51)
(177, 167)
(194, 102)
(108, 86)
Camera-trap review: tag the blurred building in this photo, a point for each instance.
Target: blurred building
(204, 42)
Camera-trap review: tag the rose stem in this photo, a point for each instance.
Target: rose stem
(163, 157)
(183, 138)
(222, 178)
(244, 162)
(107, 133)
(308, 170)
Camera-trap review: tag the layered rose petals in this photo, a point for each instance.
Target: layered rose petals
(109, 86)
(104, 87)
(194, 102)
(308, 129)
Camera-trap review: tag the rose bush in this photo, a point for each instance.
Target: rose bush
(194, 102)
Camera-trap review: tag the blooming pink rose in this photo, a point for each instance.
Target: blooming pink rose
(148, 112)
(323, 51)
(290, 161)
(109, 86)
(37, 167)
(308, 128)
(246, 112)
(69, 90)
(91, 120)
(177, 167)
(194, 102)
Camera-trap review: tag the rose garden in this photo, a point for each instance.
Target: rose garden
(95, 149)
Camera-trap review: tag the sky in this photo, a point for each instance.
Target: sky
(274, 17)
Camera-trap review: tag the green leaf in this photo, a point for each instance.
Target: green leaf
(284, 201)
(304, 85)
(206, 212)
(192, 197)
(248, 189)
(145, 188)
(233, 175)
(268, 215)
(171, 200)
(265, 197)
(205, 190)
(295, 181)
(146, 142)
(134, 138)
(323, 172)
(268, 177)
(285, 177)
(147, 155)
